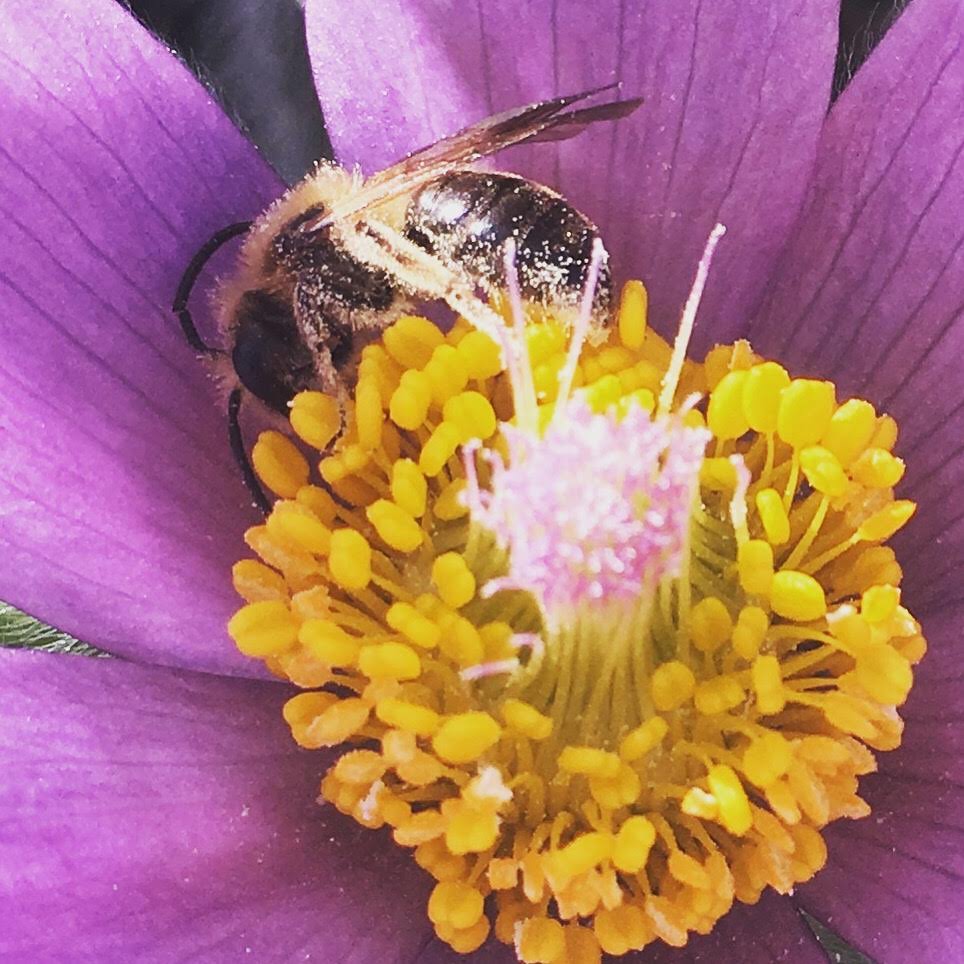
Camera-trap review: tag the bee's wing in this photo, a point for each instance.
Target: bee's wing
(545, 121)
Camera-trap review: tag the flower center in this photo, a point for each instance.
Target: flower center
(606, 664)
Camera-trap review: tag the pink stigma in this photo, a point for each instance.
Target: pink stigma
(597, 510)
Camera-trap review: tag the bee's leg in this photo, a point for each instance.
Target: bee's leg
(240, 453)
(190, 276)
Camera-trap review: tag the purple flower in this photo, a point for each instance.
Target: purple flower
(155, 810)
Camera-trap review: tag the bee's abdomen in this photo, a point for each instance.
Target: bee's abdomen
(467, 216)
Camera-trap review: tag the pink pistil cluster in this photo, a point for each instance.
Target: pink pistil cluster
(597, 510)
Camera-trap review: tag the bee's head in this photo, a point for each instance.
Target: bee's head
(269, 356)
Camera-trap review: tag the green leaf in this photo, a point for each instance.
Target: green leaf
(837, 949)
(20, 631)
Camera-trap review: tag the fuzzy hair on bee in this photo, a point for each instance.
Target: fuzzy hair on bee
(340, 257)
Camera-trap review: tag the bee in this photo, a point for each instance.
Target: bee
(336, 260)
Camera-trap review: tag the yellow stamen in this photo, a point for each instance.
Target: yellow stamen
(622, 773)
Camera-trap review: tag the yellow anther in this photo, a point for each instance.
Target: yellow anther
(879, 603)
(718, 475)
(355, 458)
(761, 395)
(471, 829)
(319, 501)
(449, 506)
(256, 582)
(731, 799)
(453, 579)
(633, 843)
(541, 941)
(750, 631)
(642, 398)
(850, 430)
(622, 929)
(603, 393)
(883, 524)
(823, 471)
(413, 625)
(395, 526)
(338, 722)
(773, 515)
(885, 674)
(717, 695)
(264, 628)
(296, 524)
(497, 640)
(806, 407)
(503, 873)
(544, 340)
(645, 738)
(697, 802)
(755, 565)
(410, 402)
(545, 377)
(526, 719)
(633, 303)
(389, 660)
(409, 717)
(460, 640)
(851, 628)
(439, 448)
(589, 760)
(447, 373)
(411, 340)
(350, 559)
(466, 736)
(328, 642)
(360, 766)
(467, 940)
(768, 685)
(369, 416)
(885, 434)
(316, 418)
(767, 759)
(797, 596)
(585, 852)
(409, 488)
(616, 358)
(724, 415)
(305, 707)
(710, 624)
(279, 464)
(581, 945)
(472, 415)
(672, 685)
(878, 469)
(422, 770)
(622, 790)
(688, 870)
(481, 355)
(456, 903)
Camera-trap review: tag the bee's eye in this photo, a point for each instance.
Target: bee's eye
(269, 357)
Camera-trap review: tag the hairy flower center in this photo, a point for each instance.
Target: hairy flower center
(605, 673)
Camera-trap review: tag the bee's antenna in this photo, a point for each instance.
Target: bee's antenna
(241, 455)
(190, 276)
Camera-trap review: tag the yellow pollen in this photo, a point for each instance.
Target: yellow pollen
(623, 772)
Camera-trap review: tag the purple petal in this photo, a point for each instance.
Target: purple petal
(120, 506)
(735, 95)
(869, 290)
(155, 815)
(893, 882)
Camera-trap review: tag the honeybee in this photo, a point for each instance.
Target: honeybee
(336, 260)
